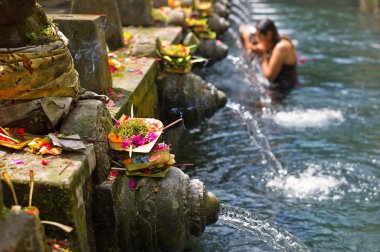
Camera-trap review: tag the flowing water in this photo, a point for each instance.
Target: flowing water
(310, 164)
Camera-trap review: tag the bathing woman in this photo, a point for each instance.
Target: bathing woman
(280, 66)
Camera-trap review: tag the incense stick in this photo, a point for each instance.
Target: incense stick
(172, 124)
(31, 184)
(118, 169)
(10, 138)
(4, 131)
(61, 226)
(10, 184)
(64, 168)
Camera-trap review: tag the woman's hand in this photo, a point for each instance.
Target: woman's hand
(263, 47)
(258, 48)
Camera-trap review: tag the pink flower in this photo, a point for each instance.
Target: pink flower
(17, 162)
(110, 91)
(152, 136)
(160, 146)
(138, 140)
(117, 124)
(132, 184)
(126, 143)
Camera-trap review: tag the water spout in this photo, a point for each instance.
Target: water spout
(262, 229)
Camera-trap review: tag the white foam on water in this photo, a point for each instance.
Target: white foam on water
(327, 181)
(309, 118)
(311, 183)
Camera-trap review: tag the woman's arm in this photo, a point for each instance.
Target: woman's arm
(271, 67)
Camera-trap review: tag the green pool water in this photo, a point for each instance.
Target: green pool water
(325, 134)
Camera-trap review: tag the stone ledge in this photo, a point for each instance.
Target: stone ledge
(131, 87)
(170, 34)
(61, 198)
(140, 89)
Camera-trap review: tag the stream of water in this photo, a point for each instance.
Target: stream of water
(309, 164)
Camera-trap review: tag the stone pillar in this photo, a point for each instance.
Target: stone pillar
(21, 232)
(136, 12)
(113, 27)
(91, 119)
(88, 48)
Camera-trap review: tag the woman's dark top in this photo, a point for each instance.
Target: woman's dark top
(287, 77)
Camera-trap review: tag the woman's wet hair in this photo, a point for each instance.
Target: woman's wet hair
(266, 25)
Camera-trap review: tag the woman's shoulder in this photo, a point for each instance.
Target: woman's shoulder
(284, 43)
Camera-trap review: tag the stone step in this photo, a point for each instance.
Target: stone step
(62, 192)
(136, 83)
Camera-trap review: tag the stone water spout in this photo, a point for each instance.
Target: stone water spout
(161, 214)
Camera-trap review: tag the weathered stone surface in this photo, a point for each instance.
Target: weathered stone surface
(61, 190)
(106, 230)
(161, 214)
(56, 6)
(21, 232)
(213, 50)
(177, 17)
(221, 9)
(145, 47)
(39, 116)
(113, 27)
(15, 10)
(170, 34)
(88, 48)
(131, 86)
(136, 12)
(217, 23)
(91, 119)
(32, 30)
(137, 88)
(187, 96)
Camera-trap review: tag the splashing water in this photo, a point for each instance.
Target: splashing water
(327, 181)
(257, 137)
(311, 183)
(264, 230)
(307, 118)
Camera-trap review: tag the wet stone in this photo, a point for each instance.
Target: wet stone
(61, 190)
(88, 49)
(187, 96)
(214, 50)
(217, 23)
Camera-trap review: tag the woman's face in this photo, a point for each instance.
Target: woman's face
(262, 38)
